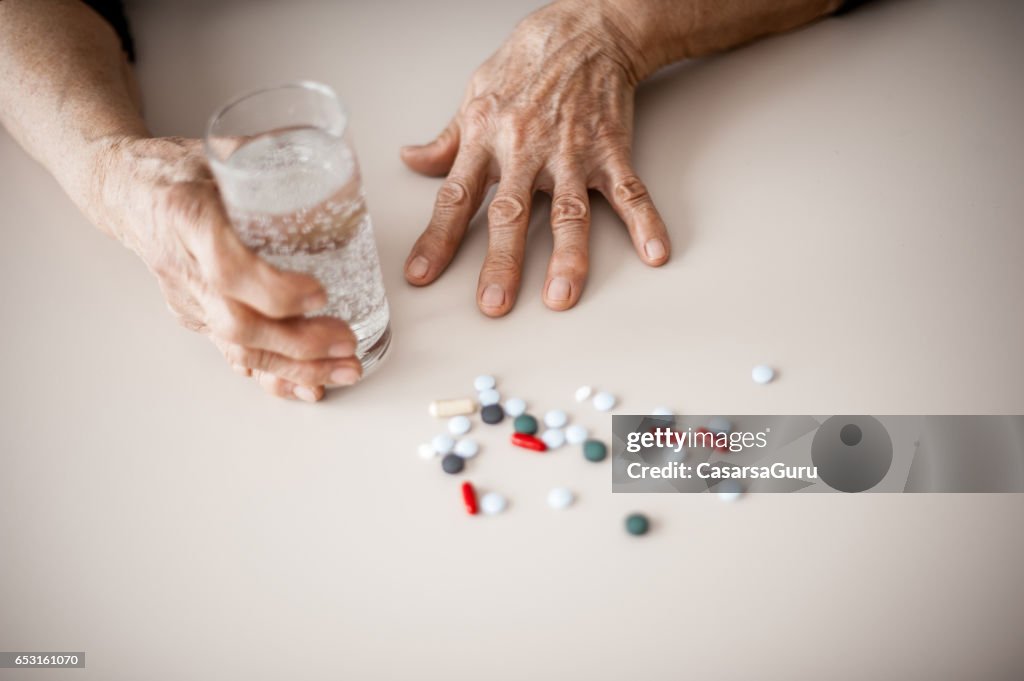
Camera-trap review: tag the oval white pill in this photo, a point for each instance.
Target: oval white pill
(556, 418)
(583, 393)
(493, 503)
(729, 490)
(443, 443)
(488, 397)
(484, 382)
(662, 411)
(467, 448)
(762, 374)
(576, 434)
(604, 401)
(459, 425)
(553, 438)
(515, 407)
(426, 451)
(560, 497)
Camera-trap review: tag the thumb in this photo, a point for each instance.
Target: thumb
(434, 158)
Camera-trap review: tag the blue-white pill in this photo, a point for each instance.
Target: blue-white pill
(553, 438)
(515, 407)
(583, 393)
(426, 451)
(484, 382)
(488, 397)
(662, 411)
(576, 434)
(560, 498)
(467, 448)
(729, 490)
(443, 443)
(459, 425)
(604, 401)
(555, 418)
(762, 374)
(493, 503)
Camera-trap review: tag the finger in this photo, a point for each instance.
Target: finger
(297, 338)
(508, 219)
(279, 387)
(434, 158)
(630, 199)
(457, 202)
(230, 268)
(570, 227)
(315, 372)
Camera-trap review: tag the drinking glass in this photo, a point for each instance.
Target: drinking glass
(288, 174)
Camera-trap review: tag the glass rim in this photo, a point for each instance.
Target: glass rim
(308, 85)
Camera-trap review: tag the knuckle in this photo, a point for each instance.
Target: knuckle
(506, 209)
(569, 213)
(453, 193)
(631, 191)
(235, 328)
(478, 115)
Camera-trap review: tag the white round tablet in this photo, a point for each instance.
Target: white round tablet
(467, 448)
(556, 418)
(459, 425)
(488, 397)
(426, 451)
(662, 411)
(484, 382)
(762, 374)
(515, 407)
(576, 434)
(443, 443)
(604, 401)
(553, 438)
(492, 503)
(560, 497)
(583, 393)
(729, 490)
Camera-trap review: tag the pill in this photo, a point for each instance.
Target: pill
(452, 464)
(560, 497)
(729, 490)
(594, 450)
(719, 424)
(488, 397)
(467, 448)
(515, 407)
(469, 497)
(525, 423)
(583, 393)
(426, 451)
(576, 434)
(637, 524)
(443, 443)
(553, 438)
(459, 425)
(527, 441)
(492, 414)
(484, 382)
(662, 411)
(604, 401)
(555, 418)
(492, 503)
(762, 374)
(445, 408)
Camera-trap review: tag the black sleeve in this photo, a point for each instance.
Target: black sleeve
(113, 12)
(850, 5)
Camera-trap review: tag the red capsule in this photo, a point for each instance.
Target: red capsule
(528, 442)
(469, 498)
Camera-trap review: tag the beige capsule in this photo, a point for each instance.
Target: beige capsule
(453, 407)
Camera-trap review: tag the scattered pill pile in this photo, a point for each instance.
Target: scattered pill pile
(455, 446)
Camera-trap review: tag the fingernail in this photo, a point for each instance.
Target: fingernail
(303, 393)
(241, 370)
(558, 289)
(493, 296)
(654, 249)
(418, 267)
(314, 302)
(340, 350)
(344, 376)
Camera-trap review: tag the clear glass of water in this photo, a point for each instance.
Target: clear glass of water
(288, 174)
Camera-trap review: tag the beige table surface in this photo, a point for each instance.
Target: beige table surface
(845, 203)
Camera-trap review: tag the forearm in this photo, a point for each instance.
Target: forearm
(661, 32)
(66, 90)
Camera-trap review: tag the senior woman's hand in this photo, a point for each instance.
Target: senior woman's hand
(159, 198)
(551, 111)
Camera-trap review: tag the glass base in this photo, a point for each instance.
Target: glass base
(375, 354)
